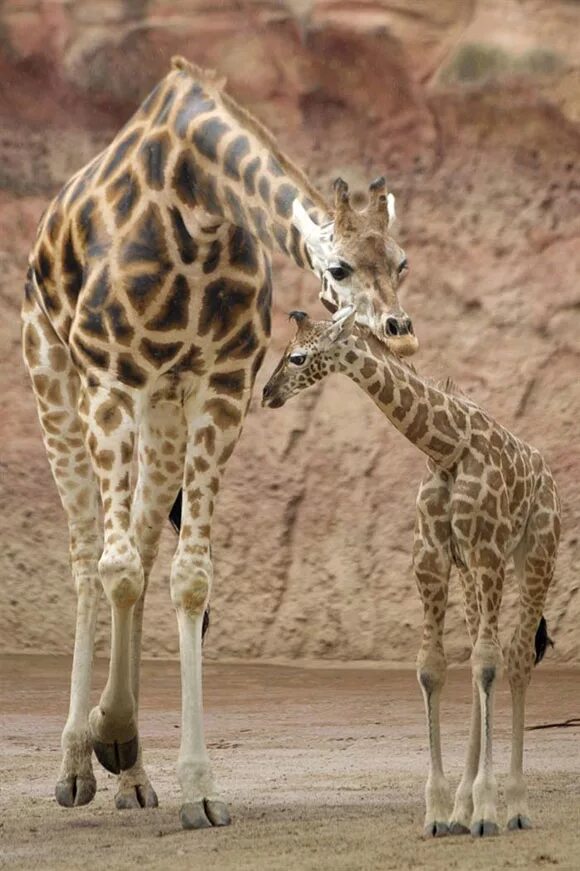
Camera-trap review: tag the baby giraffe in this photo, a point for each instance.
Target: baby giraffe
(486, 497)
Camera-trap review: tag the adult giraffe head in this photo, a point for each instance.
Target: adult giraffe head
(360, 264)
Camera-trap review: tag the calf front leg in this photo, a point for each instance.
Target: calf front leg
(487, 664)
(432, 569)
(463, 806)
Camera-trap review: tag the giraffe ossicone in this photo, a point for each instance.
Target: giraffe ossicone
(487, 498)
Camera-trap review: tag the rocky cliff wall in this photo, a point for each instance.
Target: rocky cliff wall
(473, 111)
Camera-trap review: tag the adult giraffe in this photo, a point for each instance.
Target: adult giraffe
(146, 319)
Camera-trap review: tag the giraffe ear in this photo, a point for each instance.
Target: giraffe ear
(341, 326)
(392, 215)
(315, 238)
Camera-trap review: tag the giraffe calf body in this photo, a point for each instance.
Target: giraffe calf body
(487, 498)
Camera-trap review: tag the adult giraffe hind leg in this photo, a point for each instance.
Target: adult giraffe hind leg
(110, 417)
(161, 457)
(56, 386)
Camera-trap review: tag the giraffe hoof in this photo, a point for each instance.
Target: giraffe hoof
(136, 797)
(74, 791)
(204, 814)
(484, 828)
(435, 830)
(519, 822)
(193, 816)
(117, 757)
(458, 829)
(217, 813)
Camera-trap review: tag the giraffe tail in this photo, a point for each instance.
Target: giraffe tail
(175, 520)
(542, 640)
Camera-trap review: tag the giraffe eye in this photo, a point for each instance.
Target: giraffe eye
(403, 265)
(338, 272)
(298, 359)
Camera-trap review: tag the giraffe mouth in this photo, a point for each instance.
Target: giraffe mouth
(272, 401)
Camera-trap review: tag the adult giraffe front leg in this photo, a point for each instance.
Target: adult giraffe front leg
(111, 416)
(214, 424)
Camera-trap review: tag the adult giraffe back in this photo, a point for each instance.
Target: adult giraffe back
(146, 318)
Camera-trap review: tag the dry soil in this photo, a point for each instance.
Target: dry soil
(324, 768)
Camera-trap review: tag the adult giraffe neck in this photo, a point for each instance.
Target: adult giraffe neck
(228, 164)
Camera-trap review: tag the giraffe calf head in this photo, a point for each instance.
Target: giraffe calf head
(309, 356)
(361, 265)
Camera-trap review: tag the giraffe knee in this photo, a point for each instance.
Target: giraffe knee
(431, 670)
(191, 584)
(487, 664)
(122, 577)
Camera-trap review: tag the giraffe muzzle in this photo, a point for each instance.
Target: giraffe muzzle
(400, 335)
(270, 398)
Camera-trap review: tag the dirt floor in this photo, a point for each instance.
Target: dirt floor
(324, 768)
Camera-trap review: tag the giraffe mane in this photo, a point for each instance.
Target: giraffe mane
(445, 385)
(216, 83)
(208, 77)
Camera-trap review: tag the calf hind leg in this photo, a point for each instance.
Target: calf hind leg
(534, 563)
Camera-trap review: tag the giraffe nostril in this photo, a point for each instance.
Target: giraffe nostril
(392, 327)
(407, 326)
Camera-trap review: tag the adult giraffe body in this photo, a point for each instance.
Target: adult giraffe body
(146, 319)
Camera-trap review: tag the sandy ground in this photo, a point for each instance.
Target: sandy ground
(324, 768)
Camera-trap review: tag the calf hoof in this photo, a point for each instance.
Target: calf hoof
(116, 756)
(519, 822)
(75, 791)
(435, 829)
(458, 829)
(484, 828)
(204, 814)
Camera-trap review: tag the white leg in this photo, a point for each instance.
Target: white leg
(210, 442)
